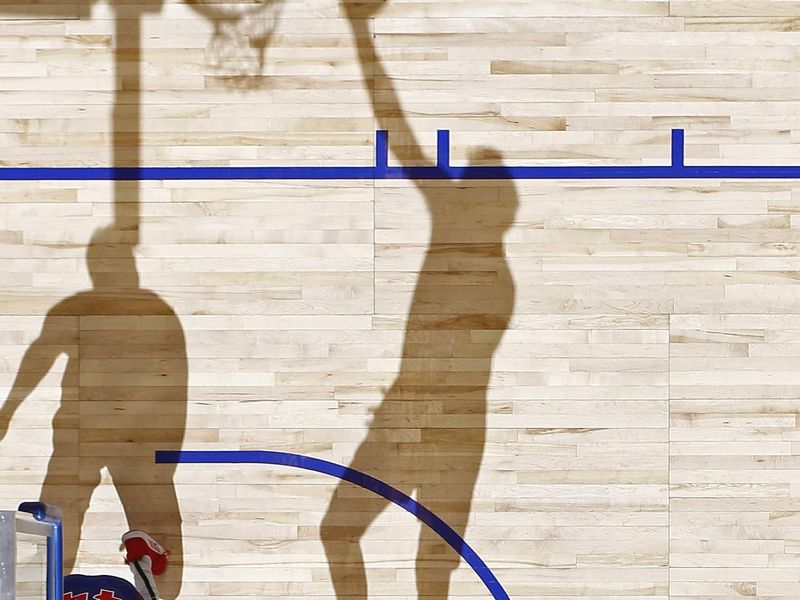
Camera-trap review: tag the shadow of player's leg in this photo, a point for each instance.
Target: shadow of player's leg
(152, 506)
(436, 559)
(64, 487)
(350, 513)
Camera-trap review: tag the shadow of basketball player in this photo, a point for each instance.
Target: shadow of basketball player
(124, 395)
(124, 389)
(428, 435)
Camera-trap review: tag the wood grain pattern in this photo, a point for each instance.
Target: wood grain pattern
(640, 403)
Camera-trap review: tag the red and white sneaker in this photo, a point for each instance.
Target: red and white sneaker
(138, 544)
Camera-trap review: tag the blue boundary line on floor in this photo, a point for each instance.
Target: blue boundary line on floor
(443, 170)
(347, 474)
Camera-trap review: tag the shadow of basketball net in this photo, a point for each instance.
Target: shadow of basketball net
(242, 34)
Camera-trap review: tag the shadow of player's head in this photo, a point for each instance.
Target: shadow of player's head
(111, 260)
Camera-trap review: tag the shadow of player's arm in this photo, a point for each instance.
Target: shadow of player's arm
(385, 100)
(36, 363)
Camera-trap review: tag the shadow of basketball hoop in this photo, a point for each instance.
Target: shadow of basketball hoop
(242, 33)
(52, 10)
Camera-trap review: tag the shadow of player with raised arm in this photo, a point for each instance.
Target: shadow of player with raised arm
(428, 435)
(123, 395)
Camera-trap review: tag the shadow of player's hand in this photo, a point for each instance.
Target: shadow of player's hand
(361, 9)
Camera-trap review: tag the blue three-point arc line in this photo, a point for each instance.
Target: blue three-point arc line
(356, 477)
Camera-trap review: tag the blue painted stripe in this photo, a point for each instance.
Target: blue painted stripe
(181, 173)
(382, 170)
(443, 149)
(381, 153)
(356, 477)
(370, 173)
(678, 147)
